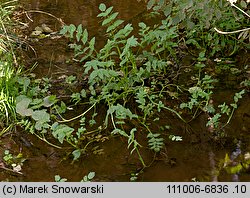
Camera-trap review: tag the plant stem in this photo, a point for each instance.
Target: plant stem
(229, 119)
(43, 139)
(171, 110)
(74, 118)
(87, 144)
(141, 159)
(42, 12)
(233, 32)
(240, 9)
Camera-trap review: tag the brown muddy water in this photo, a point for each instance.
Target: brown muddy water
(187, 160)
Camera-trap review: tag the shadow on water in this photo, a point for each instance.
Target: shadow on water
(179, 161)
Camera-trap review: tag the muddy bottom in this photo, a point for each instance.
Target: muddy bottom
(188, 160)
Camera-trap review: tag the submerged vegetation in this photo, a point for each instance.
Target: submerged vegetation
(136, 77)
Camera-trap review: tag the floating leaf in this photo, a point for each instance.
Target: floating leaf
(106, 13)
(60, 131)
(91, 175)
(22, 107)
(76, 154)
(120, 132)
(83, 93)
(59, 179)
(72, 29)
(49, 100)
(238, 96)
(85, 37)
(168, 10)
(102, 7)
(41, 115)
(42, 118)
(155, 142)
(175, 138)
(150, 4)
(79, 32)
(114, 25)
(110, 18)
(142, 25)
(64, 30)
(225, 108)
(121, 112)
(92, 43)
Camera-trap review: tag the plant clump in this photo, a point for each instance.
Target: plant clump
(134, 77)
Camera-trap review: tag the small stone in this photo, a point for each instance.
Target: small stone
(36, 33)
(244, 129)
(39, 29)
(46, 29)
(17, 168)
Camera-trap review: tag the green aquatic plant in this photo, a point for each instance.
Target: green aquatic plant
(42, 115)
(175, 138)
(200, 95)
(200, 99)
(58, 178)
(226, 110)
(198, 20)
(89, 177)
(131, 76)
(127, 68)
(14, 162)
(118, 71)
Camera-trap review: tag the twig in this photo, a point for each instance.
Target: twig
(42, 12)
(43, 139)
(69, 120)
(28, 17)
(232, 4)
(233, 32)
(8, 169)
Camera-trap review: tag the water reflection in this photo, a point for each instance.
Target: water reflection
(192, 159)
(84, 11)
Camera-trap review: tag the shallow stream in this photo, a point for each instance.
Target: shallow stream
(187, 160)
